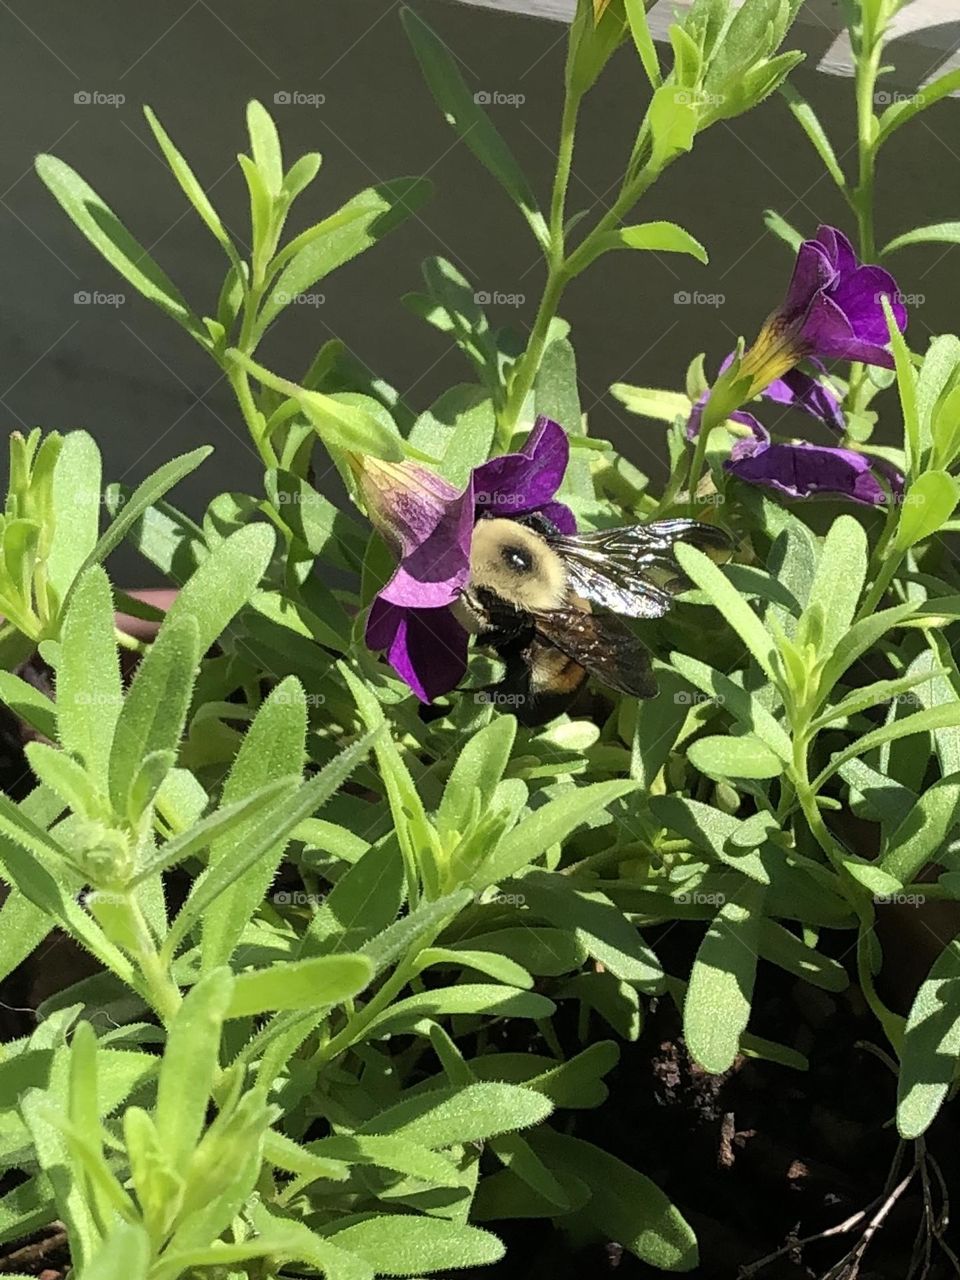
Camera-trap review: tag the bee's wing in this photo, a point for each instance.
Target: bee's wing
(631, 570)
(603, 645)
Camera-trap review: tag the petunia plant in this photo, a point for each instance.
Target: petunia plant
(362, 968)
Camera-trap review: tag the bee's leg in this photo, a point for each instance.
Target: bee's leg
(539, 523)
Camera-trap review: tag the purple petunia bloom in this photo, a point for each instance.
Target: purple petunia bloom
(429, 524)
(800, 469)
(833, 311)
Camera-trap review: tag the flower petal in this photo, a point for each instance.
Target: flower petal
(517, 483)
(559, 514)
(433, 574)
(426, 647)
(804, 470)
(801, 391)
(858, 295)
(813, 272)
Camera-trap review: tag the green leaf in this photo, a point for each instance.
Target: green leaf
(339, 425)
(861, 637)
(215, 593)
(189, 185)
(780, 227)
(658, 237)
(88, 679)
(191, 1054)
(62, 774)
(418, 838)
(946, 715)
(143, 498)
(125, 1254)
(746, 756)
(273, 826)
(300, 984)
(265, 145)
(907, 387)
(107, 234)
(155, 708)
(29, 704)
(931, 1045)
(808, 120)
(936, 233)
(363, 902)
(471, 123)
(476, 772)
(408, 1245)
(730, 604)
(547, 826)
(898, 113)
(451, 1115)
(673, 120)
(596, 924)
(360, 224)
(387, 1152)
(927, 505)
(741, 704)
(77, 483)
(640, 30)
(924, 831)
(651, 402)
(272, 748)
(841, 572)
(625, 1205)
(717, 1004)
(781, 947)
(489, 999)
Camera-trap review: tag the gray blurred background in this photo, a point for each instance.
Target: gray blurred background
(131, 377)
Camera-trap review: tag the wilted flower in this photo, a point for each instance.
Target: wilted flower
(429, 524)
(800, 469)
(833, 311)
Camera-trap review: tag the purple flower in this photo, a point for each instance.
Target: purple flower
(800, 469)
(833, 311)
(429, 525)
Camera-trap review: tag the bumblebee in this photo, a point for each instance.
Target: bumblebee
(531, 596)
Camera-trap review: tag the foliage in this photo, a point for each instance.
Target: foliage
(337, 941)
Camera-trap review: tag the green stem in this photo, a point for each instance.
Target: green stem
(240, 382)
(883, 579)
(528, 365)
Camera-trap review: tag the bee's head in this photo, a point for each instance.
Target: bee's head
(517, 565)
